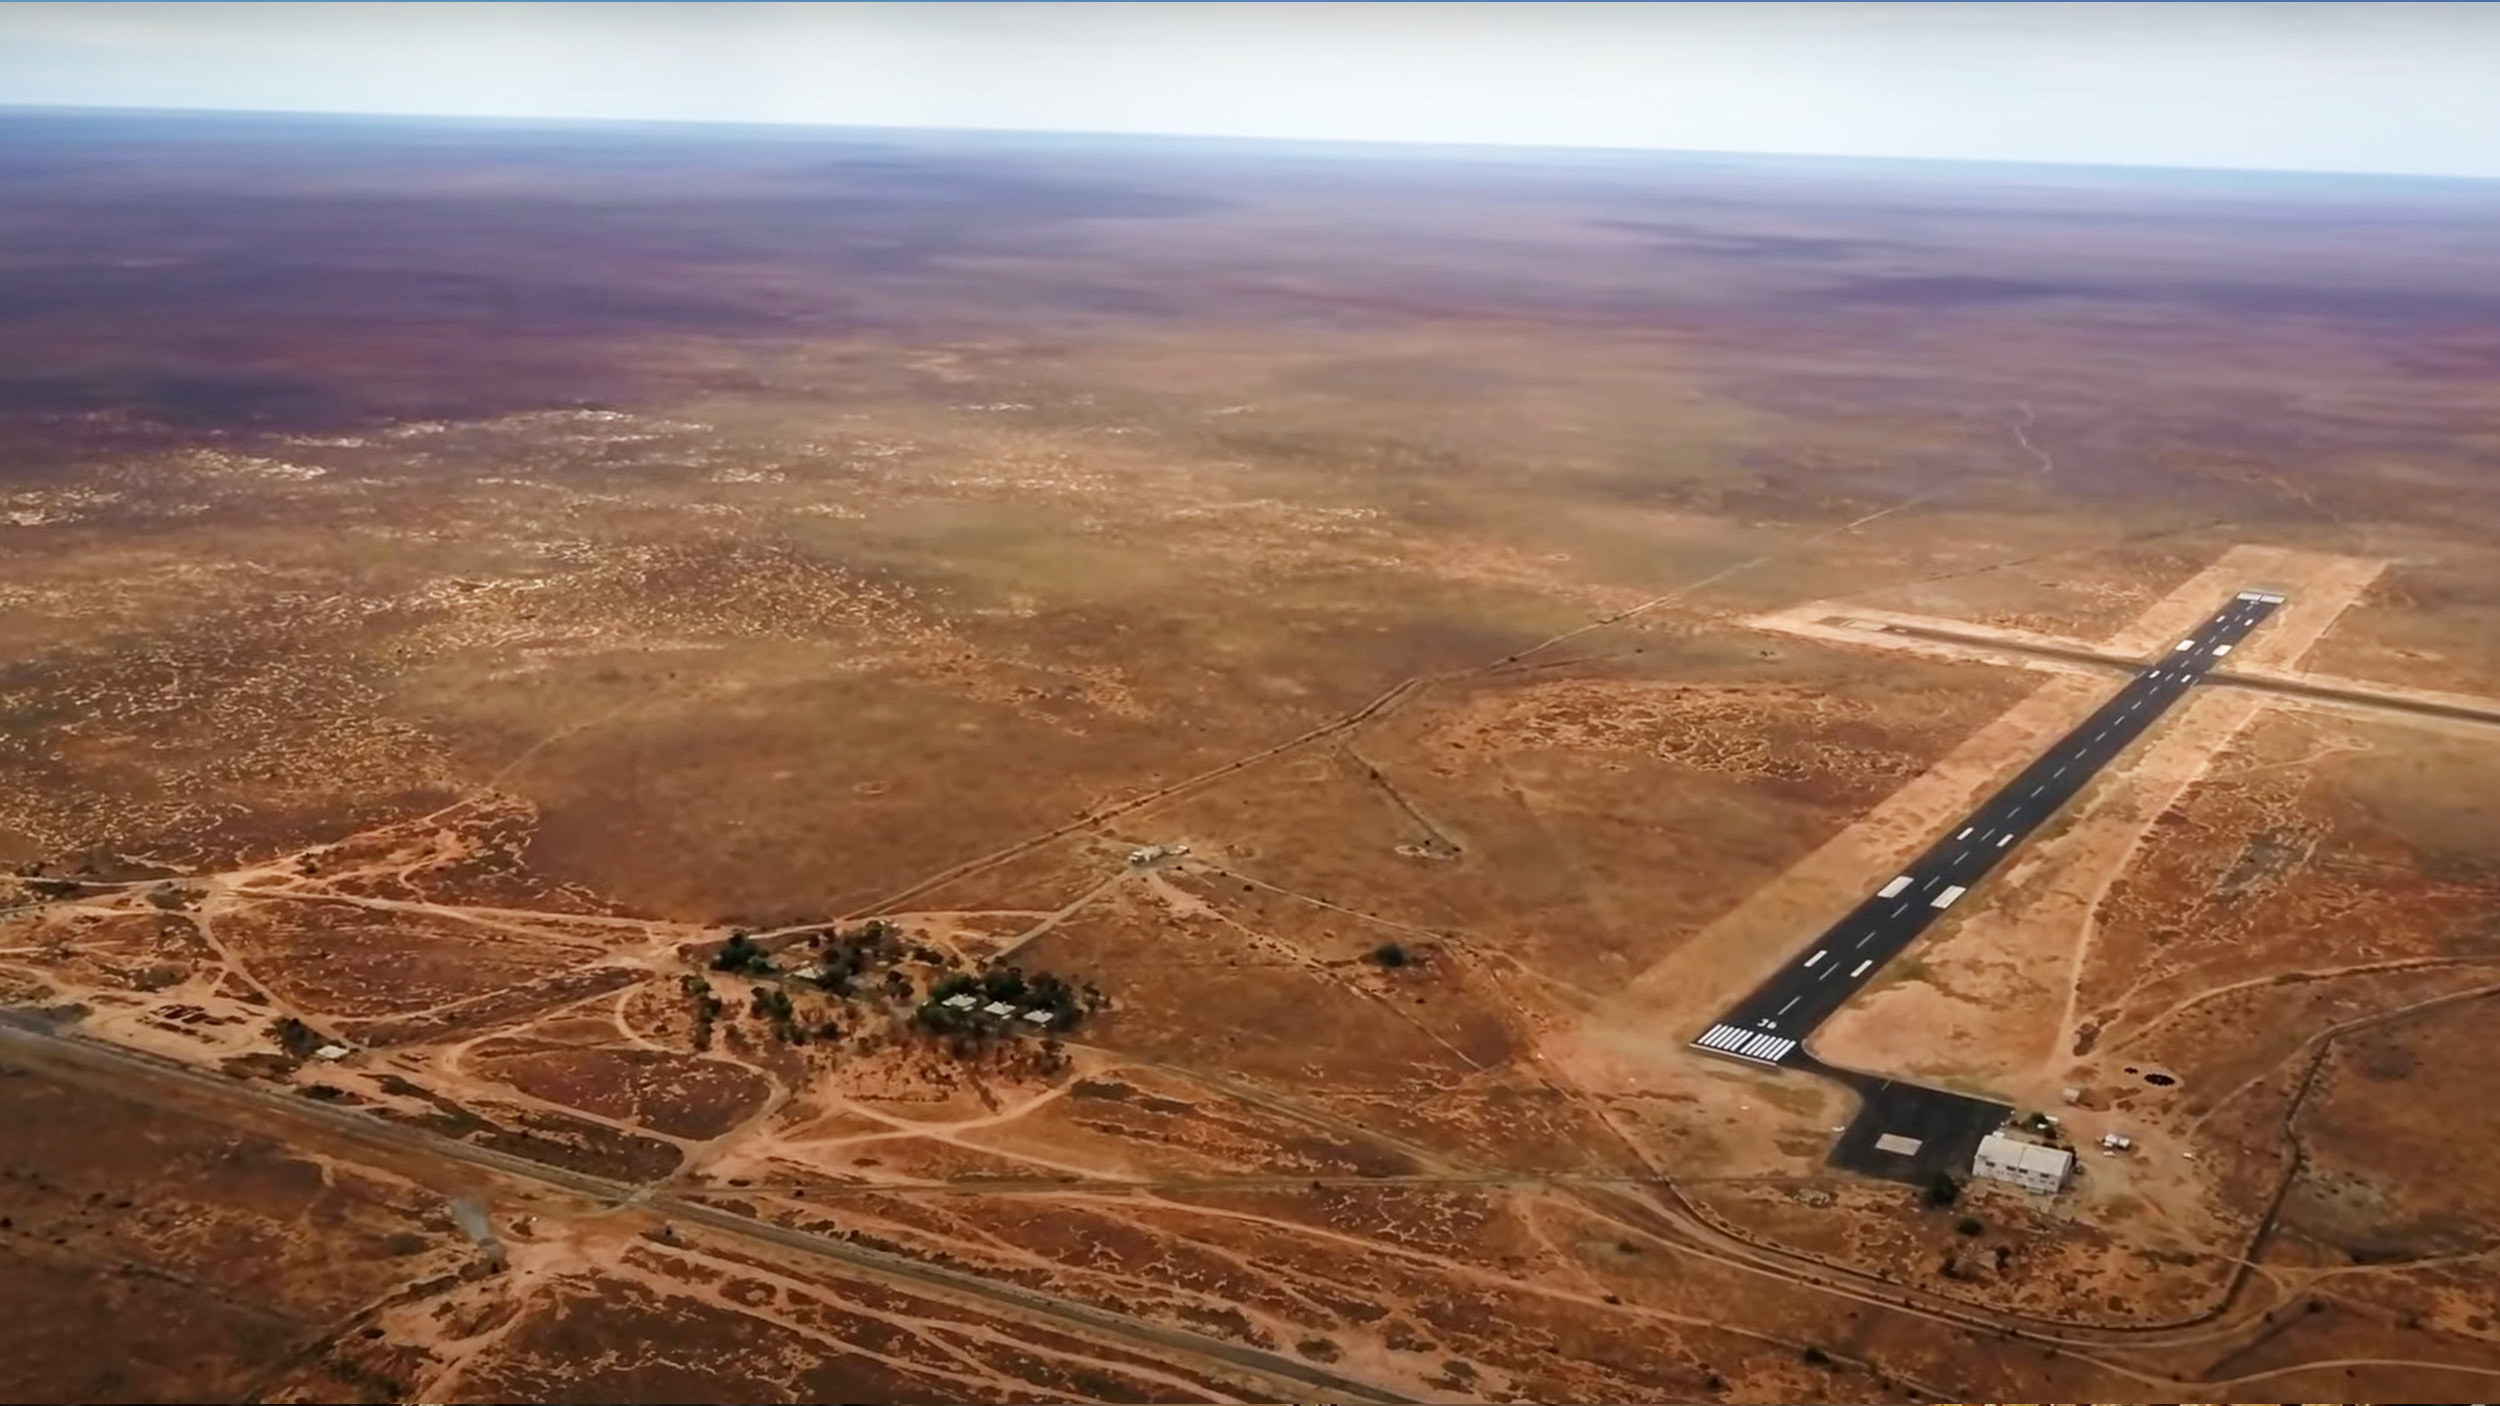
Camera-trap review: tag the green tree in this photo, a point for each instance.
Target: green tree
(1003, 984)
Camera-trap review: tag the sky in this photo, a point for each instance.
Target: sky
(2389, 88)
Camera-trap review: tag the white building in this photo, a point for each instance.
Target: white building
(2024, 1164)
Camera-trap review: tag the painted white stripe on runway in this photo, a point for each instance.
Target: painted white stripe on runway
(2185, 644)
(1862, 966)
(1894, 887)
(1945, 899)
(1722, 1036)
(2222, 649)
(1760, 1045)
(1792, 1001)
(2061, 771)
(1818, 956)
(1965, 833)
(1904, 908)
(2001, 840)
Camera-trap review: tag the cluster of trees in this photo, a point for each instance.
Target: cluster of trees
(707, 1008)
(742, 955)
(773, 1004)
(847, 960)
(876, 946)
(1068, 1005)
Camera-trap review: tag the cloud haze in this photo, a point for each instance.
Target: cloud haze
(2405, 88)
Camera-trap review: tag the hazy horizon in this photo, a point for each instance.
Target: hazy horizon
(2399, 89)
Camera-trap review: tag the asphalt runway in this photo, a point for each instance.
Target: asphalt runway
(1770, 1026)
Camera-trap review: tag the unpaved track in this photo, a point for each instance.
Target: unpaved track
(1964, 641)
(131, 1074)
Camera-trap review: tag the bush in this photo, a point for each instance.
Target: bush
(741, 954)
(1003, 984)
(1943, 1189)
(295, 1037)
(1390, 954)
(1970, 1225)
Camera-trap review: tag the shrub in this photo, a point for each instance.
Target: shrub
(741, 954)
(1003, 984)
(1390, 954)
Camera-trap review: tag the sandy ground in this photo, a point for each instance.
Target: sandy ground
(1996, 1004)
(1993, 1007)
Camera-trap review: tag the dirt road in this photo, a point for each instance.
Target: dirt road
(133, 1074)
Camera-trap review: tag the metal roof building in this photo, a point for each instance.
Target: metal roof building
(2024, 1164)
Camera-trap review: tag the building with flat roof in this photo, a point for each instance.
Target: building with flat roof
(2025, 1164)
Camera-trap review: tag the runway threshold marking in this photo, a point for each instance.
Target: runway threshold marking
(1746, 1044)
(2161, 684)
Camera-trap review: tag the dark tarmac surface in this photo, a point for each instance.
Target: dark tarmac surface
(1770, 1026)
(1908, 1132)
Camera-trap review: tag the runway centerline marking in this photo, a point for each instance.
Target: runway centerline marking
(1981, 843)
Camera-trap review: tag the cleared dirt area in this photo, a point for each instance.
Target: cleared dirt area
(1188, 732)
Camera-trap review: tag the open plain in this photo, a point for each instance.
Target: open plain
(535, 660)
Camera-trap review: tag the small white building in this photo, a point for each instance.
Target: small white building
(961, 1003)
(332, 1053)
(1037, 1016)
(2024, 1164)
(998, 1008)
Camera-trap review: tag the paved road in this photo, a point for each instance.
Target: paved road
(1769, 1026)
(28, 1039)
